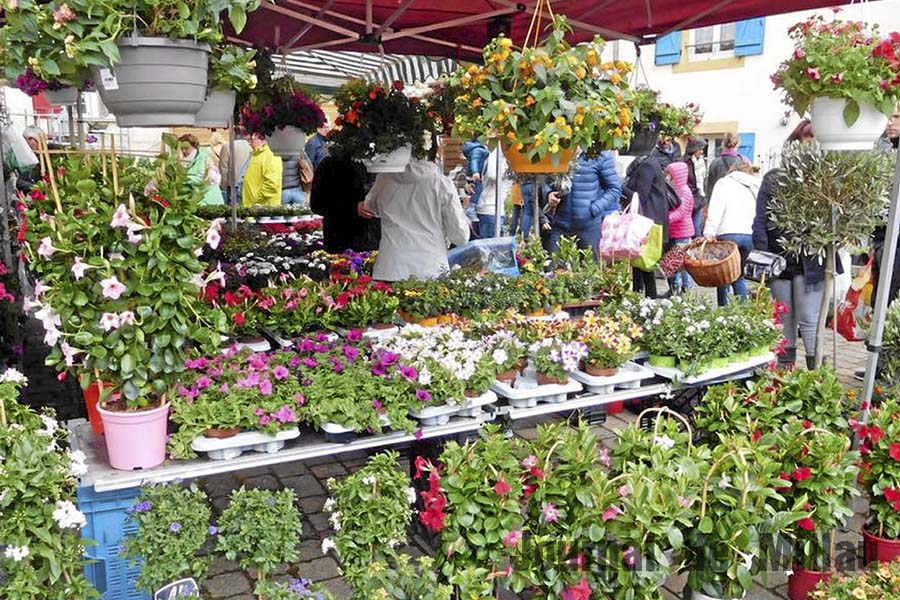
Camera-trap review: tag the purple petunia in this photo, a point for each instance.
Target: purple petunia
(280, 372)
(409, 372)
(285, 415)
(204, 382)
(390, 358)
(354, 335)
(295, 362)
(351, 353)
(307, 345)
(378, 369)
(213, 530)
(310, 362)
(336, 365)
(142, 507)
(423, 396)
(265, 387)
(175, 527)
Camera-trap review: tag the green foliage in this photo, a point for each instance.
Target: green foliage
(891, 346)
(232, 67)
(172, 527)
(260, 529)
(814, 185)
(880, 467)
(402, 580)
(370, 512)
(881, 581)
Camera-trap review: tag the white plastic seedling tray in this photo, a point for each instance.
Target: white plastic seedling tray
(629, 377)
(712, 374)
(559, 316)
(525, 392)
(263, 346)
(234, 446)
(440, 415)
(372, 334)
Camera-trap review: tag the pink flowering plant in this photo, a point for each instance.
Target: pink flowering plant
(279, 103)
(235, 390)
(118, 278)
(841, 59)
(557, 359)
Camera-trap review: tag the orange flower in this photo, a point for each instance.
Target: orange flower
(350, 117)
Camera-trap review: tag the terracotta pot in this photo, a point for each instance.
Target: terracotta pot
(801, 582)
(472, 393)
(444, 319)
(519, 162)
(406, 316)
(543, 379)
(522, 365)
(91, 400)
(879, 549)
(536, 313)
(382, 326)
(508, 376)
(601, 371)
(222, 434)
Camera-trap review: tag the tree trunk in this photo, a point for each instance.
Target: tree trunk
(824, 308)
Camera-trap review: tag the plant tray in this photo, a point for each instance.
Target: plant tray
(629, 377)
(559, 316)
(712, 374)
(440, 415)
(526, 393)
(371, 333)
(338, 434)
(261, 346)
(234, 446)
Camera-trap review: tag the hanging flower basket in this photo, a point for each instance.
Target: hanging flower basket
(519, 161)
(287, 141)
(157, 83)
(833, 133)
(217, 110)
(642, 142)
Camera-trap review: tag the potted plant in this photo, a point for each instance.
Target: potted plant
(369, 512)
(381, 126)
(555, 360)
(172, 526)
(678, 121)
(231, 71)
(878, 582)
(822, 475)
(546, 100)
(645, 108)
(403, 578)
(609, 342)
(823, 201)
(126, 43)
(880, 477)
(261, 530)
(509, 353)
(40, 524)
(35, 51)
(120, 300)
(292, 589)
(845, 74)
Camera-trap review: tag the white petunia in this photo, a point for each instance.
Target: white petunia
(77, 463)
(411, 495)
(327, 544)
(14, 376)
(329, 505)
(664, 441)
(724, 481)
(369, 480)
(67, 516)
(17, 553)
(51, 425)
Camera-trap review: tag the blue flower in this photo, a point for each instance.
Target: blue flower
(188, 590)
(213, 530)
(175, 527)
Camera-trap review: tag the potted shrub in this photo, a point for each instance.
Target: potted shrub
(845, 74)
(822, 475)
(35, 51)
(546, 100)
(555, 360)
(609, 342)
(381, 126)
(231, 71)
(120, 296)
(824, 201)
(880, 477)
(150, 59)
(173, 525)
(261, 530)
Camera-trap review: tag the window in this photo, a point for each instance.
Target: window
(712, 42)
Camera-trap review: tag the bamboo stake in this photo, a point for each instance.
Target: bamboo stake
(115, 166)
(103, 154)
(45, 150)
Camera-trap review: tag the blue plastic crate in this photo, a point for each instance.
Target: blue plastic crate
(107, 525)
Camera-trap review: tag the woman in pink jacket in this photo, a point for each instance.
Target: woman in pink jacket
(681, 223)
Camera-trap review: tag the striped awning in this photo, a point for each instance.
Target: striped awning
(329, 69)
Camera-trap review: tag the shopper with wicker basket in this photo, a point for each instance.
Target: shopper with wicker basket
(732, 208)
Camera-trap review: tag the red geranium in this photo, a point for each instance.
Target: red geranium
(801, 474)
(895, 451)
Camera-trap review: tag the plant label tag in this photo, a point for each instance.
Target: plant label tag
(178, 590)
(108, 80)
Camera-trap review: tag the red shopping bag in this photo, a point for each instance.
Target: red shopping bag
(853, 315)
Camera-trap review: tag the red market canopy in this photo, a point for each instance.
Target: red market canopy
(460, 28)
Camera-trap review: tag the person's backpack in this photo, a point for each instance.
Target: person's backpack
(672, 199)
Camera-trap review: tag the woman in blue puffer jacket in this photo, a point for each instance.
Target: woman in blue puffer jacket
(595, 193)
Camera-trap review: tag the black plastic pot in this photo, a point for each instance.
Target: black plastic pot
(642, 142)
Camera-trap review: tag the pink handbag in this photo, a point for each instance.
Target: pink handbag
(623, 234)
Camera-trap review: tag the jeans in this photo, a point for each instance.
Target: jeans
(699, 220)
(486, 224)
(515, 220)
(681, 281)
(642, 281)
(803, 301)
(293, 197)
(588, 237)
(745, 246)
(476, 194)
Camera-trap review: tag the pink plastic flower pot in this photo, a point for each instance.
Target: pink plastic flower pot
(135, 440)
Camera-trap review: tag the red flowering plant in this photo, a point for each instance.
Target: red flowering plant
(290, 309)
(378, 120)
(880, 465)
(244, 319)
(841, 59)
(819, 473)
(484, 483)
(360, 301)
(283, 102)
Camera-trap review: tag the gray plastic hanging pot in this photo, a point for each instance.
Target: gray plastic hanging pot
(217, 110)
(157, 83)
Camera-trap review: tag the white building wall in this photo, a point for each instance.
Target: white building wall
(746, 94)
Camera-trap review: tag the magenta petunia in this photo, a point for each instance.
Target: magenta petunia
(265, 387)
(280, 372)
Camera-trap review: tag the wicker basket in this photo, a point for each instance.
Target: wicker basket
(713, 263)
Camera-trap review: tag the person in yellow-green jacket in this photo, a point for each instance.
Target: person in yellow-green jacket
(262, 181)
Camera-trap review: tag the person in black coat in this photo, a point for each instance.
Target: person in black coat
(338, 186)
(646, 178)
(695, 160)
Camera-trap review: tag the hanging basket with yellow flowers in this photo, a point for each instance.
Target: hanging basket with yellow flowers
(546, 100)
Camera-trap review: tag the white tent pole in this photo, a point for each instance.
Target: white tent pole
(498, 214)
(879, 312)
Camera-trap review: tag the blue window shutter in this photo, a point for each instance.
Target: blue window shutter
(668, 49)
(749, 37)
(748, 145)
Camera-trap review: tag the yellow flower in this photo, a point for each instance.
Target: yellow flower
(505, 42)
(580, 73)
(616, 79)
(529, 100)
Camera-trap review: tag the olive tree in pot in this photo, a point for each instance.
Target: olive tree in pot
(231, 71)
(118, 289)
(823, 201)
(150, 57)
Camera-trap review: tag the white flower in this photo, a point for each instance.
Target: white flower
(425, 376)
(79, 268)
(664, 441)
(4, 492)
(51, 425)
(370, 480)
(327, 544)
(126, 317)
(77, 463)
(109, 321)
(500, 356)
(335, 520)
(51, 335)
(112, 287)
(132, 233)
(13, 376)
(213, 239)
(48, 316)
(411, 495)
(40, 288)
(329, 505)
(724, 481)
(121, 218)
(46, 248)
(393, 544)
(28, 304)
(16, 553)
(67, 516)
